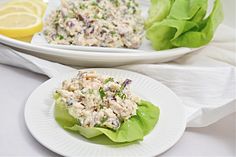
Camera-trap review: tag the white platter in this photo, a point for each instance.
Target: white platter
(40, 121)
(95, 56)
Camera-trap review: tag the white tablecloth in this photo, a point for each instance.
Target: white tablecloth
(15, 140)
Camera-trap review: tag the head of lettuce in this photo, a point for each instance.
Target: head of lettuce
(182, 23)
(133, 129)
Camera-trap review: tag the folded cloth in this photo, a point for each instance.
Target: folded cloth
(205, 80)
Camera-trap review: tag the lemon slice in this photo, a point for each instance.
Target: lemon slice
(36, 9)
(41, 4)
(12, 9)
(20, 24)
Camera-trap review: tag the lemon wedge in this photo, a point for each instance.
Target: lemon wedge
(31, 5)
(42, 5)
(20, 24)
(12, 9)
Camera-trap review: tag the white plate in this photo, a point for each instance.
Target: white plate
(40, 121)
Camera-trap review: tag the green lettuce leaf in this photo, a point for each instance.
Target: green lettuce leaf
(206, 30)
(188, 9)
(201, 13)
(130, 130)
(158, 11)
(162, 33)
(185, 25)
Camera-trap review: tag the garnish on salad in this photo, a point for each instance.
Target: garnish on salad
(103, 23)
(93, 104)
(21, 19)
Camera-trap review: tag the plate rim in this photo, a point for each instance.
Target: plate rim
(70, 73)
(65, 52)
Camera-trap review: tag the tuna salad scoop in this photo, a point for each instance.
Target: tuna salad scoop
(102, 23)
(98, 101)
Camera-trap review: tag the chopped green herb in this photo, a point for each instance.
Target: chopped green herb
(104, 119)
(134, 10)
(95, 16)
(94, 3)
(100, 17)
(104, 17)
(82, 6)
(121, 95)
(113, 33)
(122, 87)
(115, 2)
(110, 79)
(136, 4)
(60, 37)
(101, 106)
(102, 93)
(79, 123)
(129, 4)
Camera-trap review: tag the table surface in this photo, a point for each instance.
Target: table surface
(15, 140)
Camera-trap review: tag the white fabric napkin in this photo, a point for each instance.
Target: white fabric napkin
(205, 80)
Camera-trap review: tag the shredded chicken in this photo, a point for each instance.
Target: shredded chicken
(97, 100)
(102, 23)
